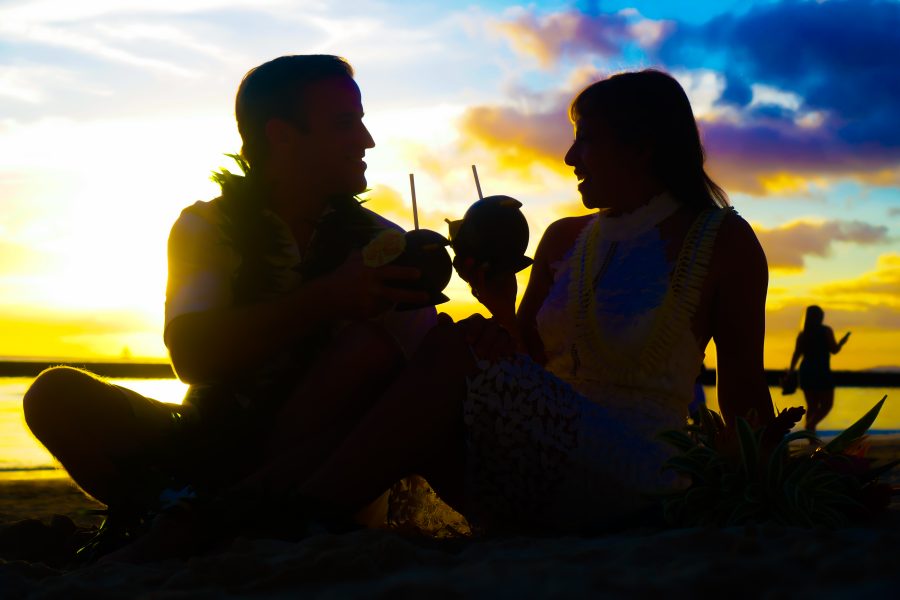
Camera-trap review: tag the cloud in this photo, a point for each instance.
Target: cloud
(789, 96)
(839, 315)
(549, 37)
(880, 285)
(27, 332)
(815, 86)
(519, 138)
(788, 245)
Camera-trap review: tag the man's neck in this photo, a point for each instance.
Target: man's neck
(297, 206)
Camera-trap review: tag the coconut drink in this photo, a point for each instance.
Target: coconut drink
(423, 249)
(493, 233)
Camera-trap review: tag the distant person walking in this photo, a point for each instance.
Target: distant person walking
(815, 344)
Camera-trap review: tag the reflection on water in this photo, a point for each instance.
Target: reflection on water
(21, 456)
(849, 405)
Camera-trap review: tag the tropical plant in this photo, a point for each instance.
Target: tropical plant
(742, 475)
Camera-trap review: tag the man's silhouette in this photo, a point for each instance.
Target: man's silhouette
(285, 336)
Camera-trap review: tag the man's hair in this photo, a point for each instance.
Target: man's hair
(276, 90)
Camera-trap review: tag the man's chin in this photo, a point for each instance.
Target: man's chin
(351, 188)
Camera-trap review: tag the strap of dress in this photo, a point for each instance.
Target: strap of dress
(683, 296)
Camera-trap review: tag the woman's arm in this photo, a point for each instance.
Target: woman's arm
(797, 352)
(739, 324)
(834, 346)
(498, 292)
(554, 244)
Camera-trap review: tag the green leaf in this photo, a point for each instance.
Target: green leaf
(683, 464)
(876, 472)
(855, 431)
(748, 446)
(678, 439)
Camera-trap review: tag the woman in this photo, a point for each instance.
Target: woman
(815, 344)
(619, 307)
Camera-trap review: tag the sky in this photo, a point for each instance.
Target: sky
(113, 114)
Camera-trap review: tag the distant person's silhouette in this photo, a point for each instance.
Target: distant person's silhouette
(814, 347)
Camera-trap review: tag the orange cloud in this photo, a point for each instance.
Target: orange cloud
(520, 139)
(879, 286)
(549, 37)
(787, 246)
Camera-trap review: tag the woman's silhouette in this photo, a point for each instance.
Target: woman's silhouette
(815, 344)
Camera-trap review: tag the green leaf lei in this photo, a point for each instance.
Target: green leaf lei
(344, 227)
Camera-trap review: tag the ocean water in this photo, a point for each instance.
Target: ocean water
(21, 456)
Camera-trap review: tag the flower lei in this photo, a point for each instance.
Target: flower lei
(675, 312)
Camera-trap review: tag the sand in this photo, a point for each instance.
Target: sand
(764, 561)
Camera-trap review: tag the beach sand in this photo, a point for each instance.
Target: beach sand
(742, 562)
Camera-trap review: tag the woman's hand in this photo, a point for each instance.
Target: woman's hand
(487, 338)
(496, 290)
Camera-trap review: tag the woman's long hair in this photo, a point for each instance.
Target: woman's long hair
(813, 319)
(649, 109)
(813, 332)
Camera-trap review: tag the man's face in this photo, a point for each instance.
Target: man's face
(330, 149)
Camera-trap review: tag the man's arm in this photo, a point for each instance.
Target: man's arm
(212, 344)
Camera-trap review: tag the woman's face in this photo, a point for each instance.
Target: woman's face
(609, 172)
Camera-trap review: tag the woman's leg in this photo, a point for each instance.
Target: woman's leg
(90, 426)
(815, 401)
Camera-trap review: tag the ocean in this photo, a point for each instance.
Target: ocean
(21, 456)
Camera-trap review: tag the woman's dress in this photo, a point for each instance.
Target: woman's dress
(814, 373)
(573, 446)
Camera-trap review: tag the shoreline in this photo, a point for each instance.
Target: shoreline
(127, 369)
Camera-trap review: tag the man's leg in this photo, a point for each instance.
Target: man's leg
(339, 389)
(90, 426)
(341, 386)
(414, 427)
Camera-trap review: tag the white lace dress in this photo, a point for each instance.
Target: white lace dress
(572, 446)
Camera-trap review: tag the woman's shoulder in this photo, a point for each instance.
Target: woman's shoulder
(560, 235)
(565, 230)
(736, 240)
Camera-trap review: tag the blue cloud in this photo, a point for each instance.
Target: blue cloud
(839, 56)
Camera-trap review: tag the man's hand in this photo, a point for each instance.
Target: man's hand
(355, 291)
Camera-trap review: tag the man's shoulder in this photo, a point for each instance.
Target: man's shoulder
(200, 213)
(382, 221)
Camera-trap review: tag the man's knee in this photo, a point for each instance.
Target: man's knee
(51, 395)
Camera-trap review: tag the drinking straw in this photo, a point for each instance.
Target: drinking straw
(477, 183)
(412, 188)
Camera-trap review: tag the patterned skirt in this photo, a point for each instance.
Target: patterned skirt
(542, 457)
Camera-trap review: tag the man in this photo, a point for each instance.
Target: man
(285, 336)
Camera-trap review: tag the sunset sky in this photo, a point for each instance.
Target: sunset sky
(113, 113)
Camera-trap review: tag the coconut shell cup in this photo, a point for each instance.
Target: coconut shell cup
(493, 232)
(426, 250)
